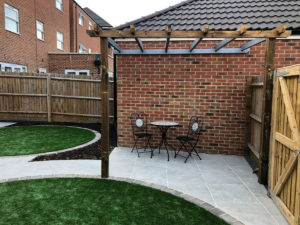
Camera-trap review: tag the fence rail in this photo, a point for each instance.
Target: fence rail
(51, 97)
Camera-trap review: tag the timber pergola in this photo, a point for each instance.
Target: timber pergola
(258, 36)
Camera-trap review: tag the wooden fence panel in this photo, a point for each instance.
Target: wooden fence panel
(284, 173)
(255, 86)
(51, 97)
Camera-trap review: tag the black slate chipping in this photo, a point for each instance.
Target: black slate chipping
(222, 15)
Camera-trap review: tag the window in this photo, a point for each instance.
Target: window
(59, 4)
(90, 25)
(77, 72)
(60, 40)
(42, 70)
(81, 48)
(40, 30)
(11, 19)
(81, 17)
(9, 67)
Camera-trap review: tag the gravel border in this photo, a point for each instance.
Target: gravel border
(215, 211)
(96, 138)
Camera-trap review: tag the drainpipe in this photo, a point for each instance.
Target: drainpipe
(115, 103)
(76, 33)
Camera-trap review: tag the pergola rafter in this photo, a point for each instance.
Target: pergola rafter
(259, 36)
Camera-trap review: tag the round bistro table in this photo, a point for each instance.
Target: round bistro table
(164, 126)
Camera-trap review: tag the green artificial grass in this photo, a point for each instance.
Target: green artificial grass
(39, 139)
(95, 201)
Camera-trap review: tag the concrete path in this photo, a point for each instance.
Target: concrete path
(226, 182)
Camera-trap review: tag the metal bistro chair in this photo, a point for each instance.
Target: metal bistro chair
(190, 141)
(139, 125)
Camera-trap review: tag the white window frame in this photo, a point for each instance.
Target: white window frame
(81, 48)
(59, 4)
(90, 25)
(41, 31)
(81, 19)
(22, 68)
(42, 70)
(77, 72)
(12, 19)
(59, 41)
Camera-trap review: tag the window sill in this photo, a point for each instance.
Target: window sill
(13, 32)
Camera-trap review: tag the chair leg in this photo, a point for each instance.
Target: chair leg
(148, 144)
(194, 150)
(189, 154)
(135, 145)
(137, 149)
(176, 153)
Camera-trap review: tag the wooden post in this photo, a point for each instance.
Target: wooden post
(105, 109)
(49, 98)
(267, 108)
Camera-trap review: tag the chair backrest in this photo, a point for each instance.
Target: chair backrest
(138, 122)
(195, 127)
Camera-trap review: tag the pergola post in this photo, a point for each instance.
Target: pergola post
(266, 109)
(105, 108)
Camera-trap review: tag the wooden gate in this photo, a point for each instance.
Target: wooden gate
(284, 172)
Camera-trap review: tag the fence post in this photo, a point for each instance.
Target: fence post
(267, 108)
(49, 98)
(105, 109)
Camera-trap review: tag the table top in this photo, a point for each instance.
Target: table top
(164, 123)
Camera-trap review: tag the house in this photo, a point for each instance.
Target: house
(171, 84)
(34, 33)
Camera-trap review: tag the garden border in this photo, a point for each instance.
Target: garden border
(210, 208)
(96, 138)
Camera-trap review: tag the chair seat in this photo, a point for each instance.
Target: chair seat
(142, 135)
(185, 138)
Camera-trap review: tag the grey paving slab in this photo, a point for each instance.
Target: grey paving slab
(5, 124)
(225, 182)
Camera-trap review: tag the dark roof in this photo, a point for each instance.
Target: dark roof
(100, 21)
(222, 15)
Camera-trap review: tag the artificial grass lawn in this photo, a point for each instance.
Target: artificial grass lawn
(39, 139)
(95, 201)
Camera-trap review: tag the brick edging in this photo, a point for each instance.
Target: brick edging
(215, 211)
(94, 140)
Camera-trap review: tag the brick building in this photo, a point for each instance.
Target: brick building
(175, 86)
(31, 29)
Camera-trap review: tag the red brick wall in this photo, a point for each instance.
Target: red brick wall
(178, 86)
(83, 38)
(25, 48)
(58, 63)
(19, 48)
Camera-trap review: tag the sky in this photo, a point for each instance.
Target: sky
(117, 12)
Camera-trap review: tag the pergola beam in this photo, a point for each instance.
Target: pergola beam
(198, 40)
(252, 43)
(189, 34)
(140, 44)
(223, 43)
(114, 44)
(181, 51)
(226, 41)
(138, 40)
(169, 31)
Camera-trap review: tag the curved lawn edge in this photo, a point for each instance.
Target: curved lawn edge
(96, 138)
(210, 208)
